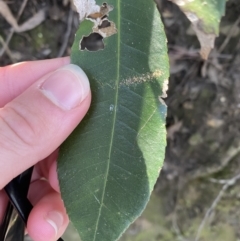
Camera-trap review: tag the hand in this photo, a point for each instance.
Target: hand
(41, 102)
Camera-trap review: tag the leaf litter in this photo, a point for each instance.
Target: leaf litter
(29, 24)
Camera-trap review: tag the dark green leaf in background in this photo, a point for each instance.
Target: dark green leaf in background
(108, 167)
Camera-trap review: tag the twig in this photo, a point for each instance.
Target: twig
(9, 37)
(177, 230)
(228, 183)
(67, 34)
(7, 50)
(219, 181)
(230, 154)
(22, 9)
(229, 35)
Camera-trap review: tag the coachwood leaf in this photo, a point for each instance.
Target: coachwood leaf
(108, 166)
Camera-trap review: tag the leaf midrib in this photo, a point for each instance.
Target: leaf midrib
(114, 117)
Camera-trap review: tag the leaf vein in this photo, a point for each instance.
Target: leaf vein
(114, 115)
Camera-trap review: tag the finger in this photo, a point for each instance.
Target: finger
(14, 79)
(48, 169)
(48, 219)
(35, 123)
(37, 190)
(52, 176)
(42, 168)
(3, 205)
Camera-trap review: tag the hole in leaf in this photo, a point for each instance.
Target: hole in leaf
(104, 24)
(93, 42)
(104, 16)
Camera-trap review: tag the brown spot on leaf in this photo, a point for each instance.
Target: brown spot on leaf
(107, 31)
(104, 10)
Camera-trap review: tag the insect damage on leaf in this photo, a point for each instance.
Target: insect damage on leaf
(102, 28)
(103, 12)
(164, 89)
(92, 42)
(105, 29)
(148, 77)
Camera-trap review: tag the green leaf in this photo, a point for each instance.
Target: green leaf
(108, 166)
(205, 17)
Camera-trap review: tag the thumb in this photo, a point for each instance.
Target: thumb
(36, 122)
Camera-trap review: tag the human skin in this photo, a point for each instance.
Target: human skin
(41, 102)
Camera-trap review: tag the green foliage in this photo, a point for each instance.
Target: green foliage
(108, 167)
(209, 12)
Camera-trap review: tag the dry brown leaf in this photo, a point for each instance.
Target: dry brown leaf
(7, 14)
(206, 41)
(32, 22)
(173, 129)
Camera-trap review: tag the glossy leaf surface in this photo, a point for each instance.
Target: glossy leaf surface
(108, 166)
